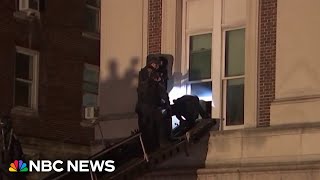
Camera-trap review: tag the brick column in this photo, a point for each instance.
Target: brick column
(267, 61)
(154, 26)
(7, 55)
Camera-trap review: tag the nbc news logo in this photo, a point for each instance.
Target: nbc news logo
(59, 166)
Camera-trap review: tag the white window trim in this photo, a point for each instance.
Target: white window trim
(224, 78)
(35, 76)
(189, 82)
(251, 57)
(185, 41)
(92, 67)
(34, 10)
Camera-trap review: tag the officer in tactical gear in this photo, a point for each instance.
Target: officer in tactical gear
(10, 150)
(146, 76)
(151, 99)
(187, 109)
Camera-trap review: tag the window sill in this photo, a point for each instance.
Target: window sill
(91, 35)
(24, 111)
(26, 15)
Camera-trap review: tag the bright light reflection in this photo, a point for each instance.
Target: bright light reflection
(175, 122)
(176, 93)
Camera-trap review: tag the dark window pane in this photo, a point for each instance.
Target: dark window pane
(89, 99)
(92, 17)
(200, 42)
(22, 94)
(34, 4)
(200, 57)
(90, 87)
(90, 75)
(23, 66)
(203, 90)
(235, 102)
(200, 65)
(235, 52)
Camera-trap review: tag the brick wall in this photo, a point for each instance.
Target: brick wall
(7, 27)
(154, 26)
(63, 51)
(267, 61)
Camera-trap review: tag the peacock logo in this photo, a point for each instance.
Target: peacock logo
(18, 166)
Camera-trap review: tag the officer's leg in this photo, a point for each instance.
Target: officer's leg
(155, 134)
(144, 126)
(161, 128)
(140, 122)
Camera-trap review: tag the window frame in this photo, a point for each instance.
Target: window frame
(251, 55)
(224, 79)
(98, 12)
(94, 68)
(188, 82)
(35, 78)
(35, 10)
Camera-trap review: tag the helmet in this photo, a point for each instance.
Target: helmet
(153, 59)
(5, 121)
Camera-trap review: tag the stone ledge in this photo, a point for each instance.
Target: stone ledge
(91, 35)
(26, 16)
(279, 144)
(267, 131)
(24, 112)
(255, 167)
(299, 99)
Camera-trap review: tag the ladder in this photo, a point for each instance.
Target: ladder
(132, 160)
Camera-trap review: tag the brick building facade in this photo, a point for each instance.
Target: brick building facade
(49, 112)
(154, 26)
(252, 56)
(267, 59)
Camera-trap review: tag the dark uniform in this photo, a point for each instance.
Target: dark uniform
(147, 108)
(152, 98)
(187, 109)
(143, 85)
(10, 150)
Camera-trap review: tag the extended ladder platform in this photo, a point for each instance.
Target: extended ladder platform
(131, 159)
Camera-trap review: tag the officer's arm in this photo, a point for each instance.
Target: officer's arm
(202, 112)
(179, 118)
(144, 77)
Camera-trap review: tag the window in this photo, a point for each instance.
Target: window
(90, 85)
(233, 78)
(92, 16)
(29, 5)
(200, 83)
(26, 78)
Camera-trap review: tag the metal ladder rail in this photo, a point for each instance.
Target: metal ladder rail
(155, 159)
(182, 141)
(160, 156)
